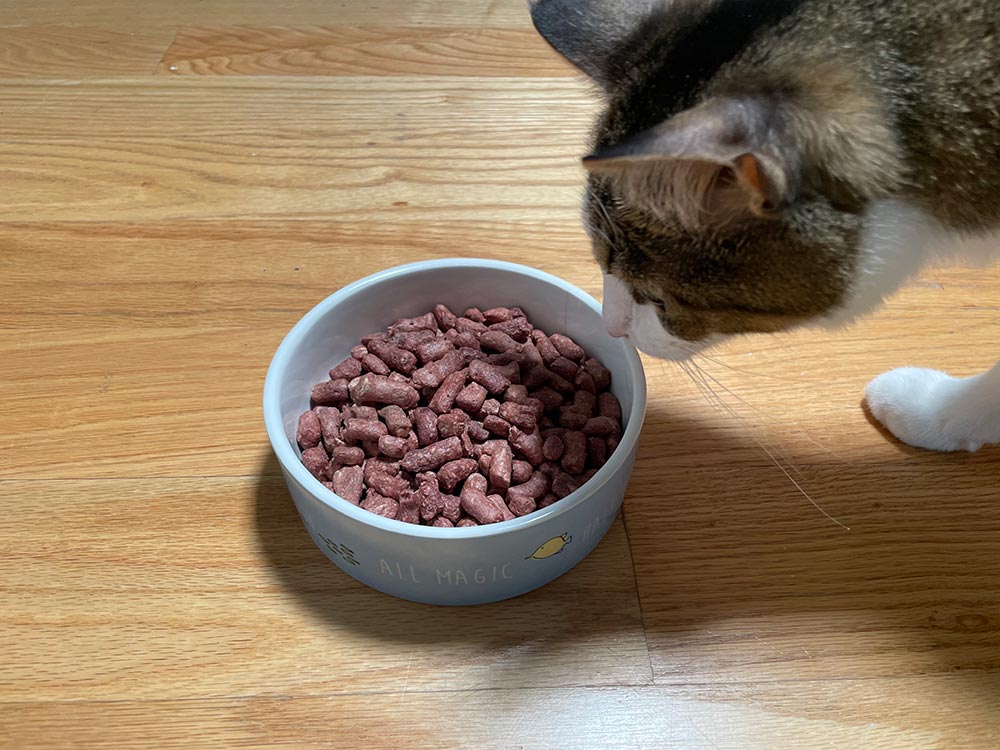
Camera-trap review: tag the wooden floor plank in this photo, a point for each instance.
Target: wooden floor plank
(361, 50)
(910, 714)
(80, 52)
(357, 149)
(130, 14)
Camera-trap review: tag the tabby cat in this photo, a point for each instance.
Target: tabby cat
(761, 165)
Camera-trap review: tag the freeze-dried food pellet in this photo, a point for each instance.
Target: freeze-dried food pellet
(481, 507)
(442, 523)
(520, 415)
(597, 451)
(432, 456)
(575, 455)
(378, 389)
(466, 523)
(573, 420)
(496, 425)
(584, 403)
(347, 455)
(491, 406)
(612, 441)
(359, 351)
(467, 325)
(330, 393)
(390, 486)
(530, 356)
(474, 313)
(393, 447)
(548, 500)
(433, 373)
(545, 348)
(446, 393)
(518, 329)
(511, 371)
(329, 422)
(445, 318)
(380, 505)
(505, 513)
(564, 368)
(584, 382)
(398, 359)
(425, 423)
(358, 430)
(601, 426)
(470, 399)
(476, 482)
(396, 421)
(309, 430)
(488, 376)
(529, 444)
(421, 322)
(517, 394)
(501, 466)
(477, 431)
(349, 369)
(452, 424)
(359, 412)
(549, 398)
(503, 358)
(497, 315)
(567, 347)
(371, 363)
(380, 465)
(315, 460)
(434, 349)
(563, 485)
(536, 377)
(552, 448)
(608, 406)
(497, 341)
(348, 482)
(411, 340)
(455, 472)
(466, 340)
(521, 504)
(409, 508)
(520, 472)
(600, 373)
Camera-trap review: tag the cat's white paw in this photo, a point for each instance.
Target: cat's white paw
(924, 408)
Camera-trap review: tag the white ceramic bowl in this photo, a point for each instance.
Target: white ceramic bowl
(461, 565)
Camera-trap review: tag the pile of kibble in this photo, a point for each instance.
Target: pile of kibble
(451, 420)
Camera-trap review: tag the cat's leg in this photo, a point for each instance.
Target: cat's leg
(930, 409)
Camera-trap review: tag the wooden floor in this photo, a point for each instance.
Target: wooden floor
(180, 181)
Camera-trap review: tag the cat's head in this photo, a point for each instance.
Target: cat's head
(741, 211)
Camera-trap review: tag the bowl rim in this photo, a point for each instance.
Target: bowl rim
(292, 465)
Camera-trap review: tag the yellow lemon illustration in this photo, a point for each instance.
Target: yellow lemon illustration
(554, 546)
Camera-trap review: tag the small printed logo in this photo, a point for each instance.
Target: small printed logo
(554, 546)
(340, 550)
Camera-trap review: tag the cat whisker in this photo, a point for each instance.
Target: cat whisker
(698, 377)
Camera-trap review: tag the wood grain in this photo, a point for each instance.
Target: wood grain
(160, 232)
(123, 588)
(353, 148)
(180, 13)
(361, 50)
(942, 712)
(80, 52)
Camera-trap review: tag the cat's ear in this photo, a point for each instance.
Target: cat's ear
(591, 33)
(724, 158)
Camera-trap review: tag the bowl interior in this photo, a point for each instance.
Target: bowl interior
(325, 336)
